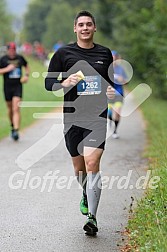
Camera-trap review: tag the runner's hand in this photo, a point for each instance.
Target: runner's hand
(10, 67)
(72, 80)
(110, 92)
(24, 79)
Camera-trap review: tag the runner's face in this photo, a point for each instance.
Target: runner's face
(115, 58)
(84, 28)
(11, 52)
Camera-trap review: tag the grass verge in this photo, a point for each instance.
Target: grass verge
(147, 228)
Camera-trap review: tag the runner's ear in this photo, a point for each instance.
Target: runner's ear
(74, 29)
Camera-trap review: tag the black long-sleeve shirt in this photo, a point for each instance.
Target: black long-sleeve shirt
(88, 97)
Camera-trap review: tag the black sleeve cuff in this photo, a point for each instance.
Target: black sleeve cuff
(52, 84)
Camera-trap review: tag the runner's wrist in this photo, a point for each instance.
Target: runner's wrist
(65, 83)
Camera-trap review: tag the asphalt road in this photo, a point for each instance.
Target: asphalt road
(37, 215)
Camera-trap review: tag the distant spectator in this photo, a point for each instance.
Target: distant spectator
(27, 48)
(58, 45)
(39, 51)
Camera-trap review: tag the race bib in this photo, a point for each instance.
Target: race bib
(90, 85)
(15, 74)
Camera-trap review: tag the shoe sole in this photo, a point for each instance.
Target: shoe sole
(90, 229)
(115, 137)
(15, 138)
(90, 234)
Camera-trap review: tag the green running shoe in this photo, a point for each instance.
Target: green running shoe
(91, 225)
(84, 205)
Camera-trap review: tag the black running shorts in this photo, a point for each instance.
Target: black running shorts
(76, 137)
(10, 92)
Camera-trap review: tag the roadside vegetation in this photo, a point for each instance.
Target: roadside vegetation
(147, 228)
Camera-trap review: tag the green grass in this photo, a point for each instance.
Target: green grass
(34, 90)
(148, 226)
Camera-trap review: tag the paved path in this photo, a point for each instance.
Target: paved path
(35, 221)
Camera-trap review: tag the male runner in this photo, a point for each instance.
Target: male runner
(11, 68)
(115, 104)
(85, 81)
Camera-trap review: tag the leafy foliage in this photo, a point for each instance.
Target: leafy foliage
(140, 35)
(5, 24)
(60, 29)
(35, 20)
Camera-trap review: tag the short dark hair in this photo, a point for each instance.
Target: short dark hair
(82, 14)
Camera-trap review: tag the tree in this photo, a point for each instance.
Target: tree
(140, 34)
(35, 19)
(46, 18)
(59, 28)
(5, 24)
(106, 9)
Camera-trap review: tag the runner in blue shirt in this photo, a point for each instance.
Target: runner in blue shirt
(115, 104)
